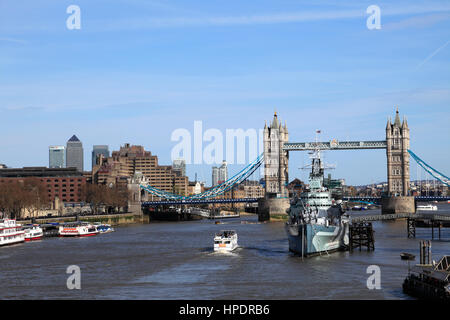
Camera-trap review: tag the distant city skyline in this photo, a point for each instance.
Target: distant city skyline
(229, 66)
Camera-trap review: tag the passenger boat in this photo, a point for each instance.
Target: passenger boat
(77, 229)
(428, 207)
(103, 227)
(50, 229)
(225, 241)
(33, 232)
(10, 232)
(315, 223)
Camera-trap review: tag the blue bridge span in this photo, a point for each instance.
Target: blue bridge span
(374, 200)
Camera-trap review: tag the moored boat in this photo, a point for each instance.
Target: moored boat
(33, 232)
(50, 229)
(103, 227)
(428, 207)
(407, 256)
(315, 223)
(10, 232)
(225, 241)
(77, 229)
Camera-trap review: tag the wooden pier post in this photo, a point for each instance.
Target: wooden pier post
(411, 227)
(432, 230)
(361, 234)
(440, 224)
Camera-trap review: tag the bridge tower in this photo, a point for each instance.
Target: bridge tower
(397, 145)
(276, 160)
(398, 173)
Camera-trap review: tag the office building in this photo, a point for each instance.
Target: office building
(65, 183)
(130, 160)
(56, 157)
(179, 165)
(74, 154)
(219, 174)
(215, 176)
(97, 150)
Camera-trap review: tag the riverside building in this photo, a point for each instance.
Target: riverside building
(65, 183)
(131, 159)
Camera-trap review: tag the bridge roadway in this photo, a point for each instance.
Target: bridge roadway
(380, 217)
(417, 198)
(253, 200)
(192, 201)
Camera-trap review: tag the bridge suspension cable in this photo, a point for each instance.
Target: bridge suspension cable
(213, 192)
(436, 174)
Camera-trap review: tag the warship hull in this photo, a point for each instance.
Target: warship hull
(309, 239)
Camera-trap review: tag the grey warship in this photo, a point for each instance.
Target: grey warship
(316, 225)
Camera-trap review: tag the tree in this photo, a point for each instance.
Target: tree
(94, 196)
(36, 196)
(114, 197)
(17, 195)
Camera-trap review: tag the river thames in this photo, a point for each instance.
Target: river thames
(175, 260)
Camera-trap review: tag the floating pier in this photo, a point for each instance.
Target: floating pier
(432, 222)
(429, 280)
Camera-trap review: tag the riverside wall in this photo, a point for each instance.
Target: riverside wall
(112, 219)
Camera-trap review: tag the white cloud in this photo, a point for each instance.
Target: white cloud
(259, 19)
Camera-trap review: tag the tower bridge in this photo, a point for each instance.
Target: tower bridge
(275, 159)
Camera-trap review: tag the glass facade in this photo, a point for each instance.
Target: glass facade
(56, 157)
(180, 166)
(97, 150)
(74, 154)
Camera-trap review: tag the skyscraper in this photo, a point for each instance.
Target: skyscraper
(179, 165)
(74, 153)
(215, 176)
(219, 174)
(97, 150)
(223, 172)
(56, 157)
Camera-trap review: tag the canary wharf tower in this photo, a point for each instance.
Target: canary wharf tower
(74, 153)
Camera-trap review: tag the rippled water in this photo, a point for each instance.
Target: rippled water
(176, 261)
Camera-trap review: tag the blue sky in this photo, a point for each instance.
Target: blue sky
(137, 70)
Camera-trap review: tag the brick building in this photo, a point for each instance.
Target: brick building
(65, 183)
(133, 159)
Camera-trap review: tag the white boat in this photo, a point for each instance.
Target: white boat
(103, 227)
(428, 207)
(225, 241)
(10, 232)
(77, 229)
(33, 232)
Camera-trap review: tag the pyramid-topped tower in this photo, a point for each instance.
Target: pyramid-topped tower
(74, 153)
